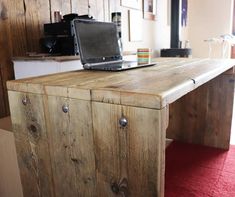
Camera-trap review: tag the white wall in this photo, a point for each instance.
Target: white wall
(208, 19)
(162, 26)
(156, 34)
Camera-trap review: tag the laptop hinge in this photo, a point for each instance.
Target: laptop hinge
(88, 65)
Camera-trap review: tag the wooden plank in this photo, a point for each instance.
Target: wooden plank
(100, 9)
(71, 147)
(93, 11)
(36, 14)
(6, 68)
(130, 160)
(80, 6)
(28, 124)
(5, 40)
(16, 12)
(7, 73)
(204, 116)
(107, 149)
(64, 7)
(44, 14)
(2, 106)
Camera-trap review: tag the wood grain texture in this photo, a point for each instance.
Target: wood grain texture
(6, 68)
(62, 6)
(80, 6)
(204, 116)
(130, 160)
(71, 147)
(31, 144)
(159, 85)
(21, 27)
(2, 105)
(90, 153)
(16, 10)
(36, 14)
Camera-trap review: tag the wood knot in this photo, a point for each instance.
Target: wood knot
(3, 11)
(115, 188)
(121, 187)
(34, 129)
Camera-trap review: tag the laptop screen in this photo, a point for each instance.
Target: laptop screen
(97, 41)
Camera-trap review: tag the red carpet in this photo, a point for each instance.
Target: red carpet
(198, 171)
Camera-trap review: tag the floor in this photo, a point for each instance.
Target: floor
(209, 173)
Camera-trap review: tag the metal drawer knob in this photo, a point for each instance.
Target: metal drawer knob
(65, 108)
(123, 122)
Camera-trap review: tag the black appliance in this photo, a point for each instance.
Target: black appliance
(58, 37)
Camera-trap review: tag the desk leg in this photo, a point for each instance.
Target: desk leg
(204, 116)
(130, 160)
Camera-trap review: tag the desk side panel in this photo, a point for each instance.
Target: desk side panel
(204, 116)
(130, 159)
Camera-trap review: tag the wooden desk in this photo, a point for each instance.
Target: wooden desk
(87, 133)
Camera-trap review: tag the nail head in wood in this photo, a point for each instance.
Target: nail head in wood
(123, 122)
(25, 101)
(65, 108)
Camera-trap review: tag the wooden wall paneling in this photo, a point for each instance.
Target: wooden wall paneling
(100, 9)
(7, 73)
(80, 6)
(93, 11)
(2, 98)
(75, 6)
(33, 23)
(37, 13)
(44, 12)
(31, 139)
(16, 12)
(6, 67)
(65, 7)
(5, 39)
(204, 116)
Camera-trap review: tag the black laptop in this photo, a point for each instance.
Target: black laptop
(98, 46)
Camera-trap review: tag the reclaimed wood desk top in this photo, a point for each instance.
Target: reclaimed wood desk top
(150, 87)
